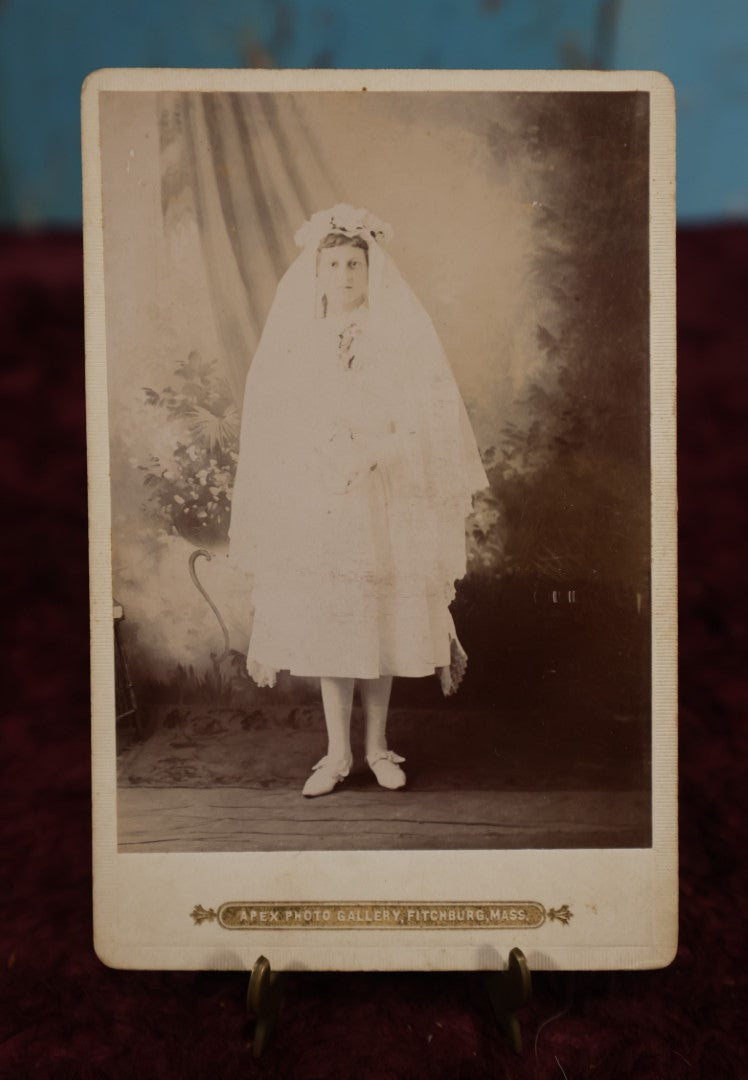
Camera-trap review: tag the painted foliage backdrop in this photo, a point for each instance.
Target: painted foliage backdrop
(521, 222)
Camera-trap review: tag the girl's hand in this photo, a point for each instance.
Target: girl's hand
(344, 461)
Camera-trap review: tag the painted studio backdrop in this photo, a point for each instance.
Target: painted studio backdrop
(520, 221)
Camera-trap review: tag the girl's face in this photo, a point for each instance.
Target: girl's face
(343, 277)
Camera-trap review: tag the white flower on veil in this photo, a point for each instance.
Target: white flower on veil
(345, 219)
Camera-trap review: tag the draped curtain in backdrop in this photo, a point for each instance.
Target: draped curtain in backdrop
(249, 171)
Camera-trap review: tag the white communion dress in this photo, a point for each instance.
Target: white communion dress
(357, 466)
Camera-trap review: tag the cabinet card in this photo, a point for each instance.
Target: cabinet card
(381, 391)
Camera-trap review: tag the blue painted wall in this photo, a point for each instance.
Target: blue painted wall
(47, 47)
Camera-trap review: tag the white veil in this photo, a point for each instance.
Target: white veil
(289, 416)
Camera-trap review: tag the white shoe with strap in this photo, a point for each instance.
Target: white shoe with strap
(385, 764)
(326, 774)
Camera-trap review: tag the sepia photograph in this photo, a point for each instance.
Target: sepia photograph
(379, 432)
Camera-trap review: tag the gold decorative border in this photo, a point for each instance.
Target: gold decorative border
(382, 915)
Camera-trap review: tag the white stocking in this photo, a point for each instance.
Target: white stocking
(337, 699)
(375, 694)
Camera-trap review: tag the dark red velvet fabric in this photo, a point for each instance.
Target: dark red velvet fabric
(64, 1014)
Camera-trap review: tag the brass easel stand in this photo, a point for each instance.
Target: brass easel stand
(263, 1001)
(507, 990)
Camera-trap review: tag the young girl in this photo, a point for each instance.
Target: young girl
(356, 470)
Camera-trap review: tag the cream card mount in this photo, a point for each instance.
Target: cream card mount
(381, 391)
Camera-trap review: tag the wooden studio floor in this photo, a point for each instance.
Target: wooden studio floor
(227, 780)
(235, 819)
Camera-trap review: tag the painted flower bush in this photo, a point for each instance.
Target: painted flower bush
(191, 492)
(485, 529)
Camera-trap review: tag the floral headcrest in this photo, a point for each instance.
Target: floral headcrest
(342, 219)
